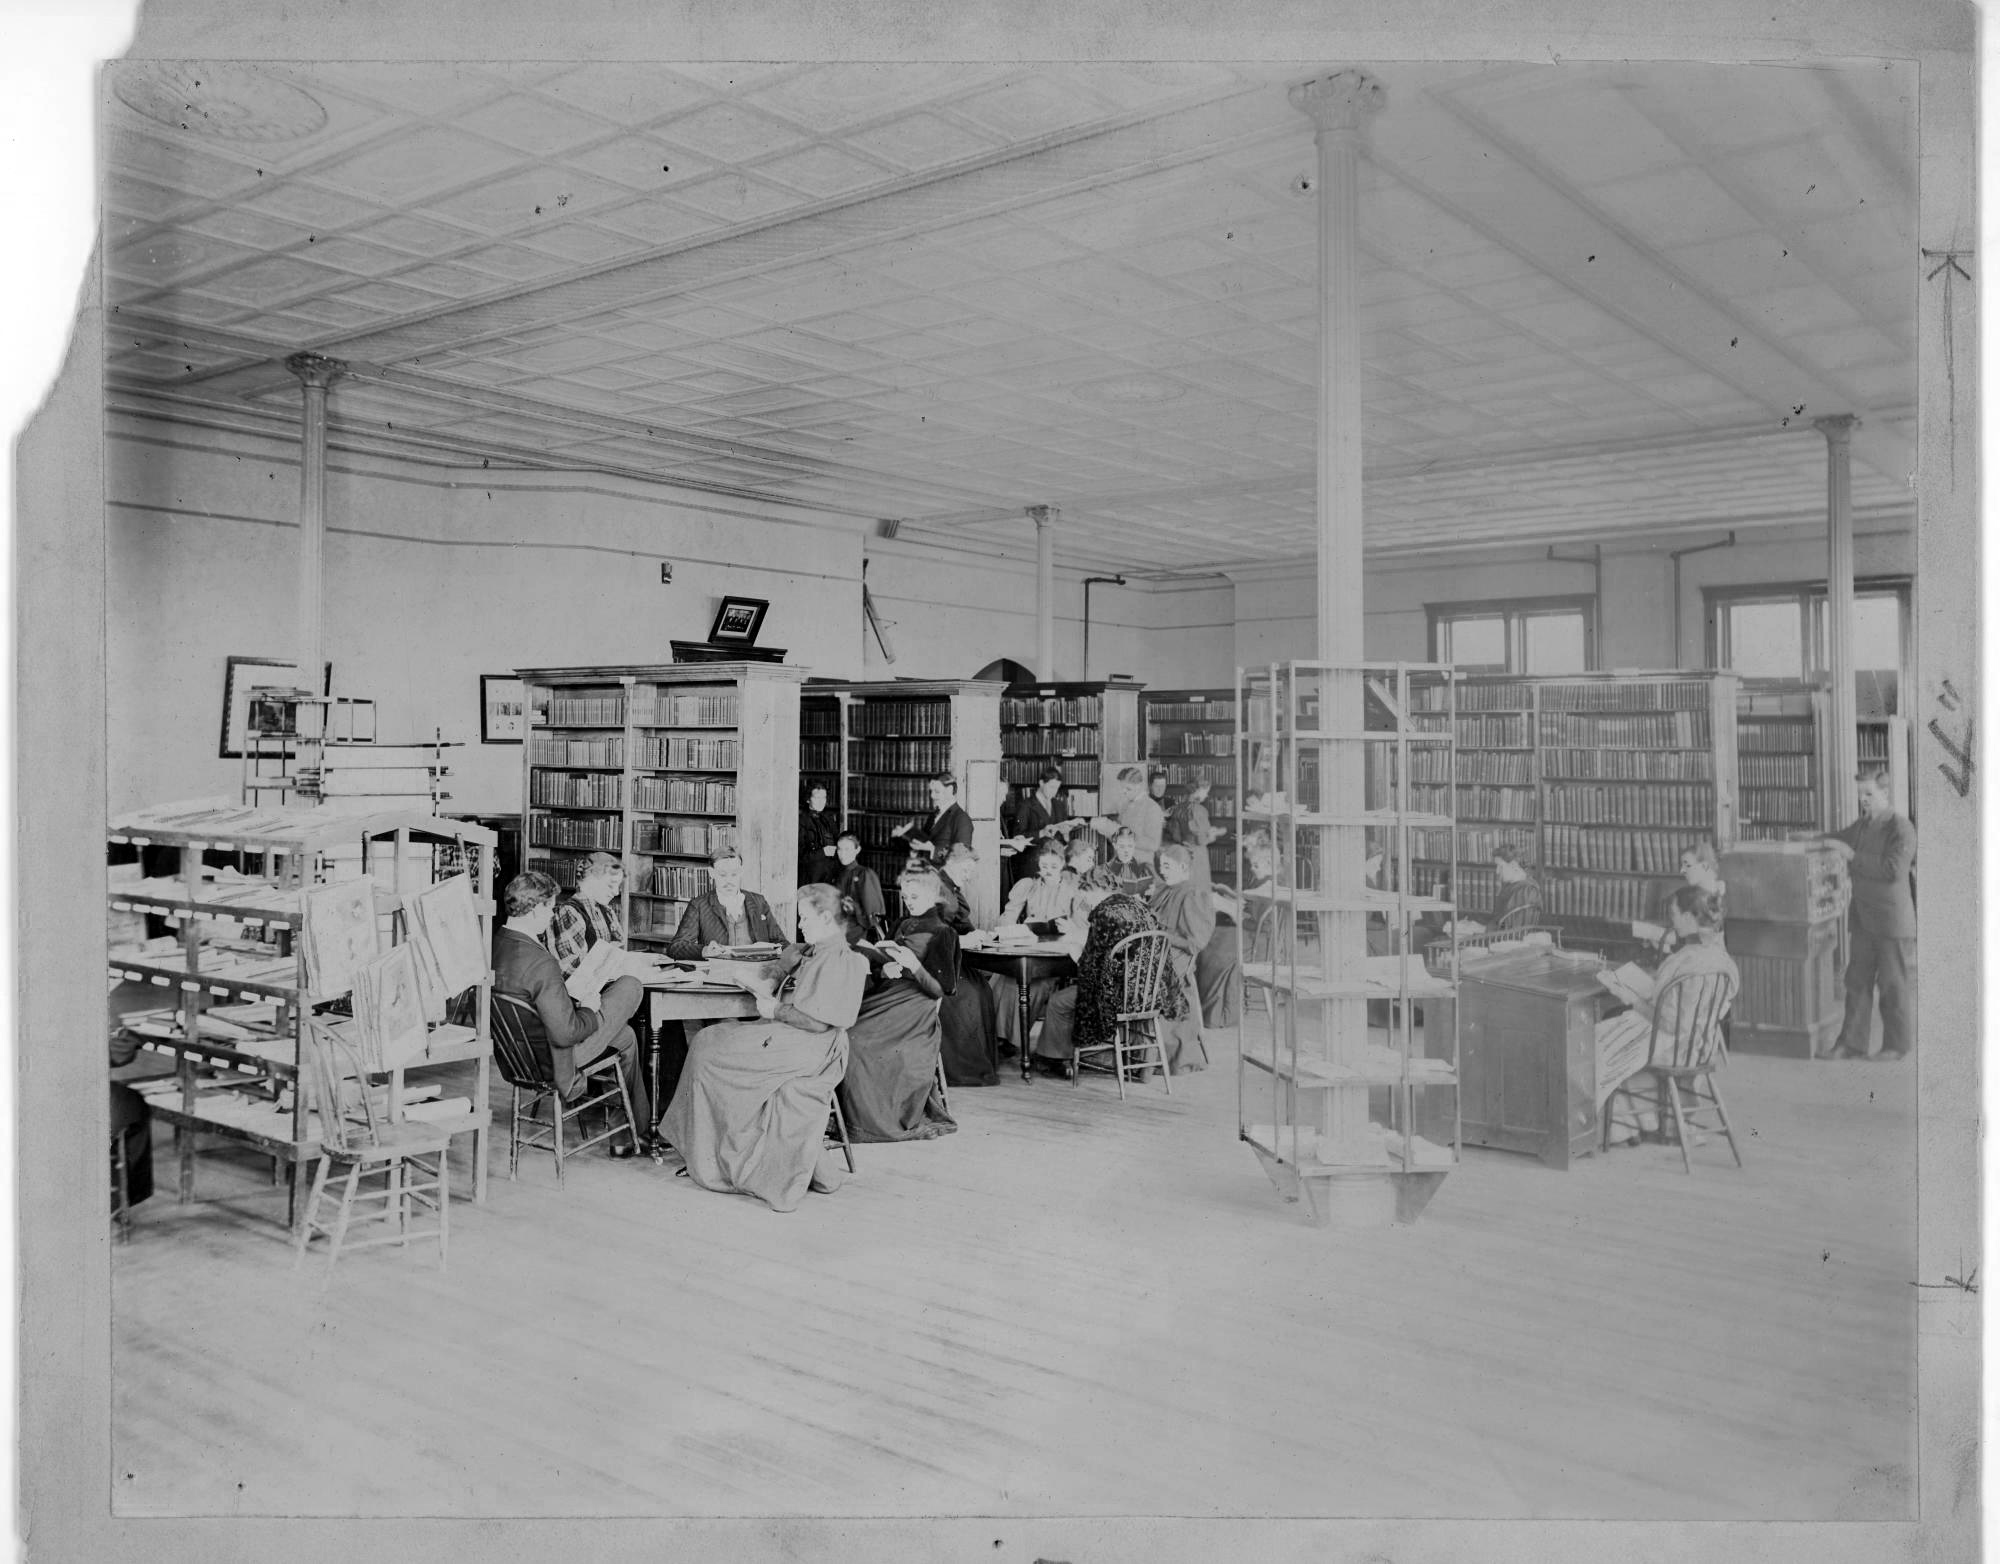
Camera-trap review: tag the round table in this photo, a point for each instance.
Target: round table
(1022, 963)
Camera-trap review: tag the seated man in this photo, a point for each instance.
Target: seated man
(589, 914)
(571, 1034)
(724, 915)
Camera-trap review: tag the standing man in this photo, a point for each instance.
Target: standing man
(1880, 849)
(1031, 818)
(949, 825)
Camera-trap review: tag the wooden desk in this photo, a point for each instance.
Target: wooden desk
(1023, 964)
(1527, 1051)
(685, 1002)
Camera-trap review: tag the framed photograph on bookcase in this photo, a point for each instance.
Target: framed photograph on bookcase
(738, 621)
(503, 709)
(240, 676)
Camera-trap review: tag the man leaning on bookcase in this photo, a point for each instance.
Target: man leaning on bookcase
(1881, 849)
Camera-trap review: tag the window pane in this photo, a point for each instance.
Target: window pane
(1878, 650)
(1474, 643)
(1555, 643)
(1764, 640)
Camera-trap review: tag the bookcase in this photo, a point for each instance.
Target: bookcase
(1781, 758)
(1488, 784)
(1885, 742)
(662, 765)
(1331, 1106)
(1191, 735)
(1787, 901)
(820, 743)
(1086, 729)
(232, 971)
(890, 738)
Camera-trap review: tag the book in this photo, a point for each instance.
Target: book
(388, 1012)
(1631, 983)
(338, 935)
(449, 951)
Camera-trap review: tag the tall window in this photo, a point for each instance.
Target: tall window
(1540, 635)
(1780, 633)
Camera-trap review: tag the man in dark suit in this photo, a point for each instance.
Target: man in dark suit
(1032, 817)
(724, 915)
(948, 826)
(572, 1035)
(1881, 849)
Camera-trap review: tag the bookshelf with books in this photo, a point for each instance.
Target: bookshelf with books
(1331, 1106)
(279, 914)
(1885, 742)
(820, 744)
(1488, 784)
(1781, 759)
(1086, 729)
(662, 765)
(892, 737)
(1191, 735)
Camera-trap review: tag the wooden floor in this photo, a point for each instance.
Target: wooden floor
(1071, 1306)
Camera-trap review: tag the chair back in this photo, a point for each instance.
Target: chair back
(329, 1060)
(1526, 915)
(1687, 1021)
(515, 1028)
(1143, 963)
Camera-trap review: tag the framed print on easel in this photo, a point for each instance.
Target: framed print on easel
(243, 674)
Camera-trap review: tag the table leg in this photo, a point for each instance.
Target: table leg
(652, 1044)
(1027, 1054)
(480, 1090)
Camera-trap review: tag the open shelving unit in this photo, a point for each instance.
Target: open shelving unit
(1191, 735)
(237, 941)
(662, 765)
(1327, 755)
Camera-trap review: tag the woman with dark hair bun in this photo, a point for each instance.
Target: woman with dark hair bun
(890, 1090)
(749, 1116)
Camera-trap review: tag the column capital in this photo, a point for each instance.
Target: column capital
(1341, 104)
(1042, 515)
(315, 370)
(1837, 427)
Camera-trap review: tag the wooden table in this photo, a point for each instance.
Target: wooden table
(688, 1002)
(1022, 963)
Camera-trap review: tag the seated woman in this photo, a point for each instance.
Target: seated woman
(1129, 872)
(890, 1091)
(859, 883)
(962, 898)
(1624, 1041)
(1186, 910)
(1082, 869)
(1050, 897)
(749, 1115)
(1087, 1013)
(1701, 868)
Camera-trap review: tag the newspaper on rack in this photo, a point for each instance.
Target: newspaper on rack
(338, 935)
(445, 942)
(388, 1014)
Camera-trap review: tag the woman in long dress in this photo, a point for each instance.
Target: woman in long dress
(890, 1090)
(749, 1116)
(1186, 911)
(1049, 897)
(1087, 1013)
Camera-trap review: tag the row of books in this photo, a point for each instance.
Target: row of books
(1082, 773)
(910, 795)
(1644, 852)
(900, 719)
(1493, 731)
(1483, 803)
(587, 711)
(1509, 768)
(564, 871)
(1196, 744)
(575, 789)
(1618, 901)
(819, 754)
(674, 754)
(1190, 711)
(1628, 765)
(1182, 774)
(1659, 730)
(1475, 843)
(916, 757)
(548, 750)
(654, 919)
(1774, 770)
(688, 795)
(1871, 743)
(1050, 711)
(684, 708)
(681, 881)
(1043, 740)
(1656, 803)
(877, 830)
(606, 832)
(690, 838)
(819, 719)
(1473, 697)
(1792, 736)
(1784, 806)
(1652, 695)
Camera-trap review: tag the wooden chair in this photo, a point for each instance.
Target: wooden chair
(408, 1158)
(1147, 969)
(1518, 920)
(1688, 1046)
(526, 1068)
(836, 1131)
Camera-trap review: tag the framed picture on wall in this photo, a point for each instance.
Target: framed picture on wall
(503, 709)
(240, 676)
(738, 620)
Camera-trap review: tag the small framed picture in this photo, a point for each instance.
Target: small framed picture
(738, 620)
(240, 676)
(503, 709)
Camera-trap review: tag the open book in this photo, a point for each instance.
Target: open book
(605, 963)
(1633, 984)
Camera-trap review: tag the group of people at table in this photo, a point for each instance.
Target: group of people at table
(883, 1011)
(877, 1008)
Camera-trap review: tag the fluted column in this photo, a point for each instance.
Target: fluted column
(1044, 518)
(1839, 430)
(315, 374)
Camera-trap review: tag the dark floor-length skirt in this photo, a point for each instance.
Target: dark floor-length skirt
(890, 1090)
(132, 1123)
(1219, 977)
(968, 1021)
(750, 1113)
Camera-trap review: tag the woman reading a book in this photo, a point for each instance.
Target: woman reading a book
(749, 1116)
(1088, 1012)
(1047, 896)
(1699, 867)
(1185, 909)
(1625, 1041)
(890, 1091)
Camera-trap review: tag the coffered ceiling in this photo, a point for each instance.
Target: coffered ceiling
(1596, 299)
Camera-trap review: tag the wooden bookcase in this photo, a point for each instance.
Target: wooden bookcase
(1781, 758)
(1191, 734)
(246, 1089)
(1332, 1108)
(1488, 784)
(661, 765)
(1085, 728)
(891, 737)
(1885, 742)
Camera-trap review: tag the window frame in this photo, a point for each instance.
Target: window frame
(1514, 612)
(1809, 597)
